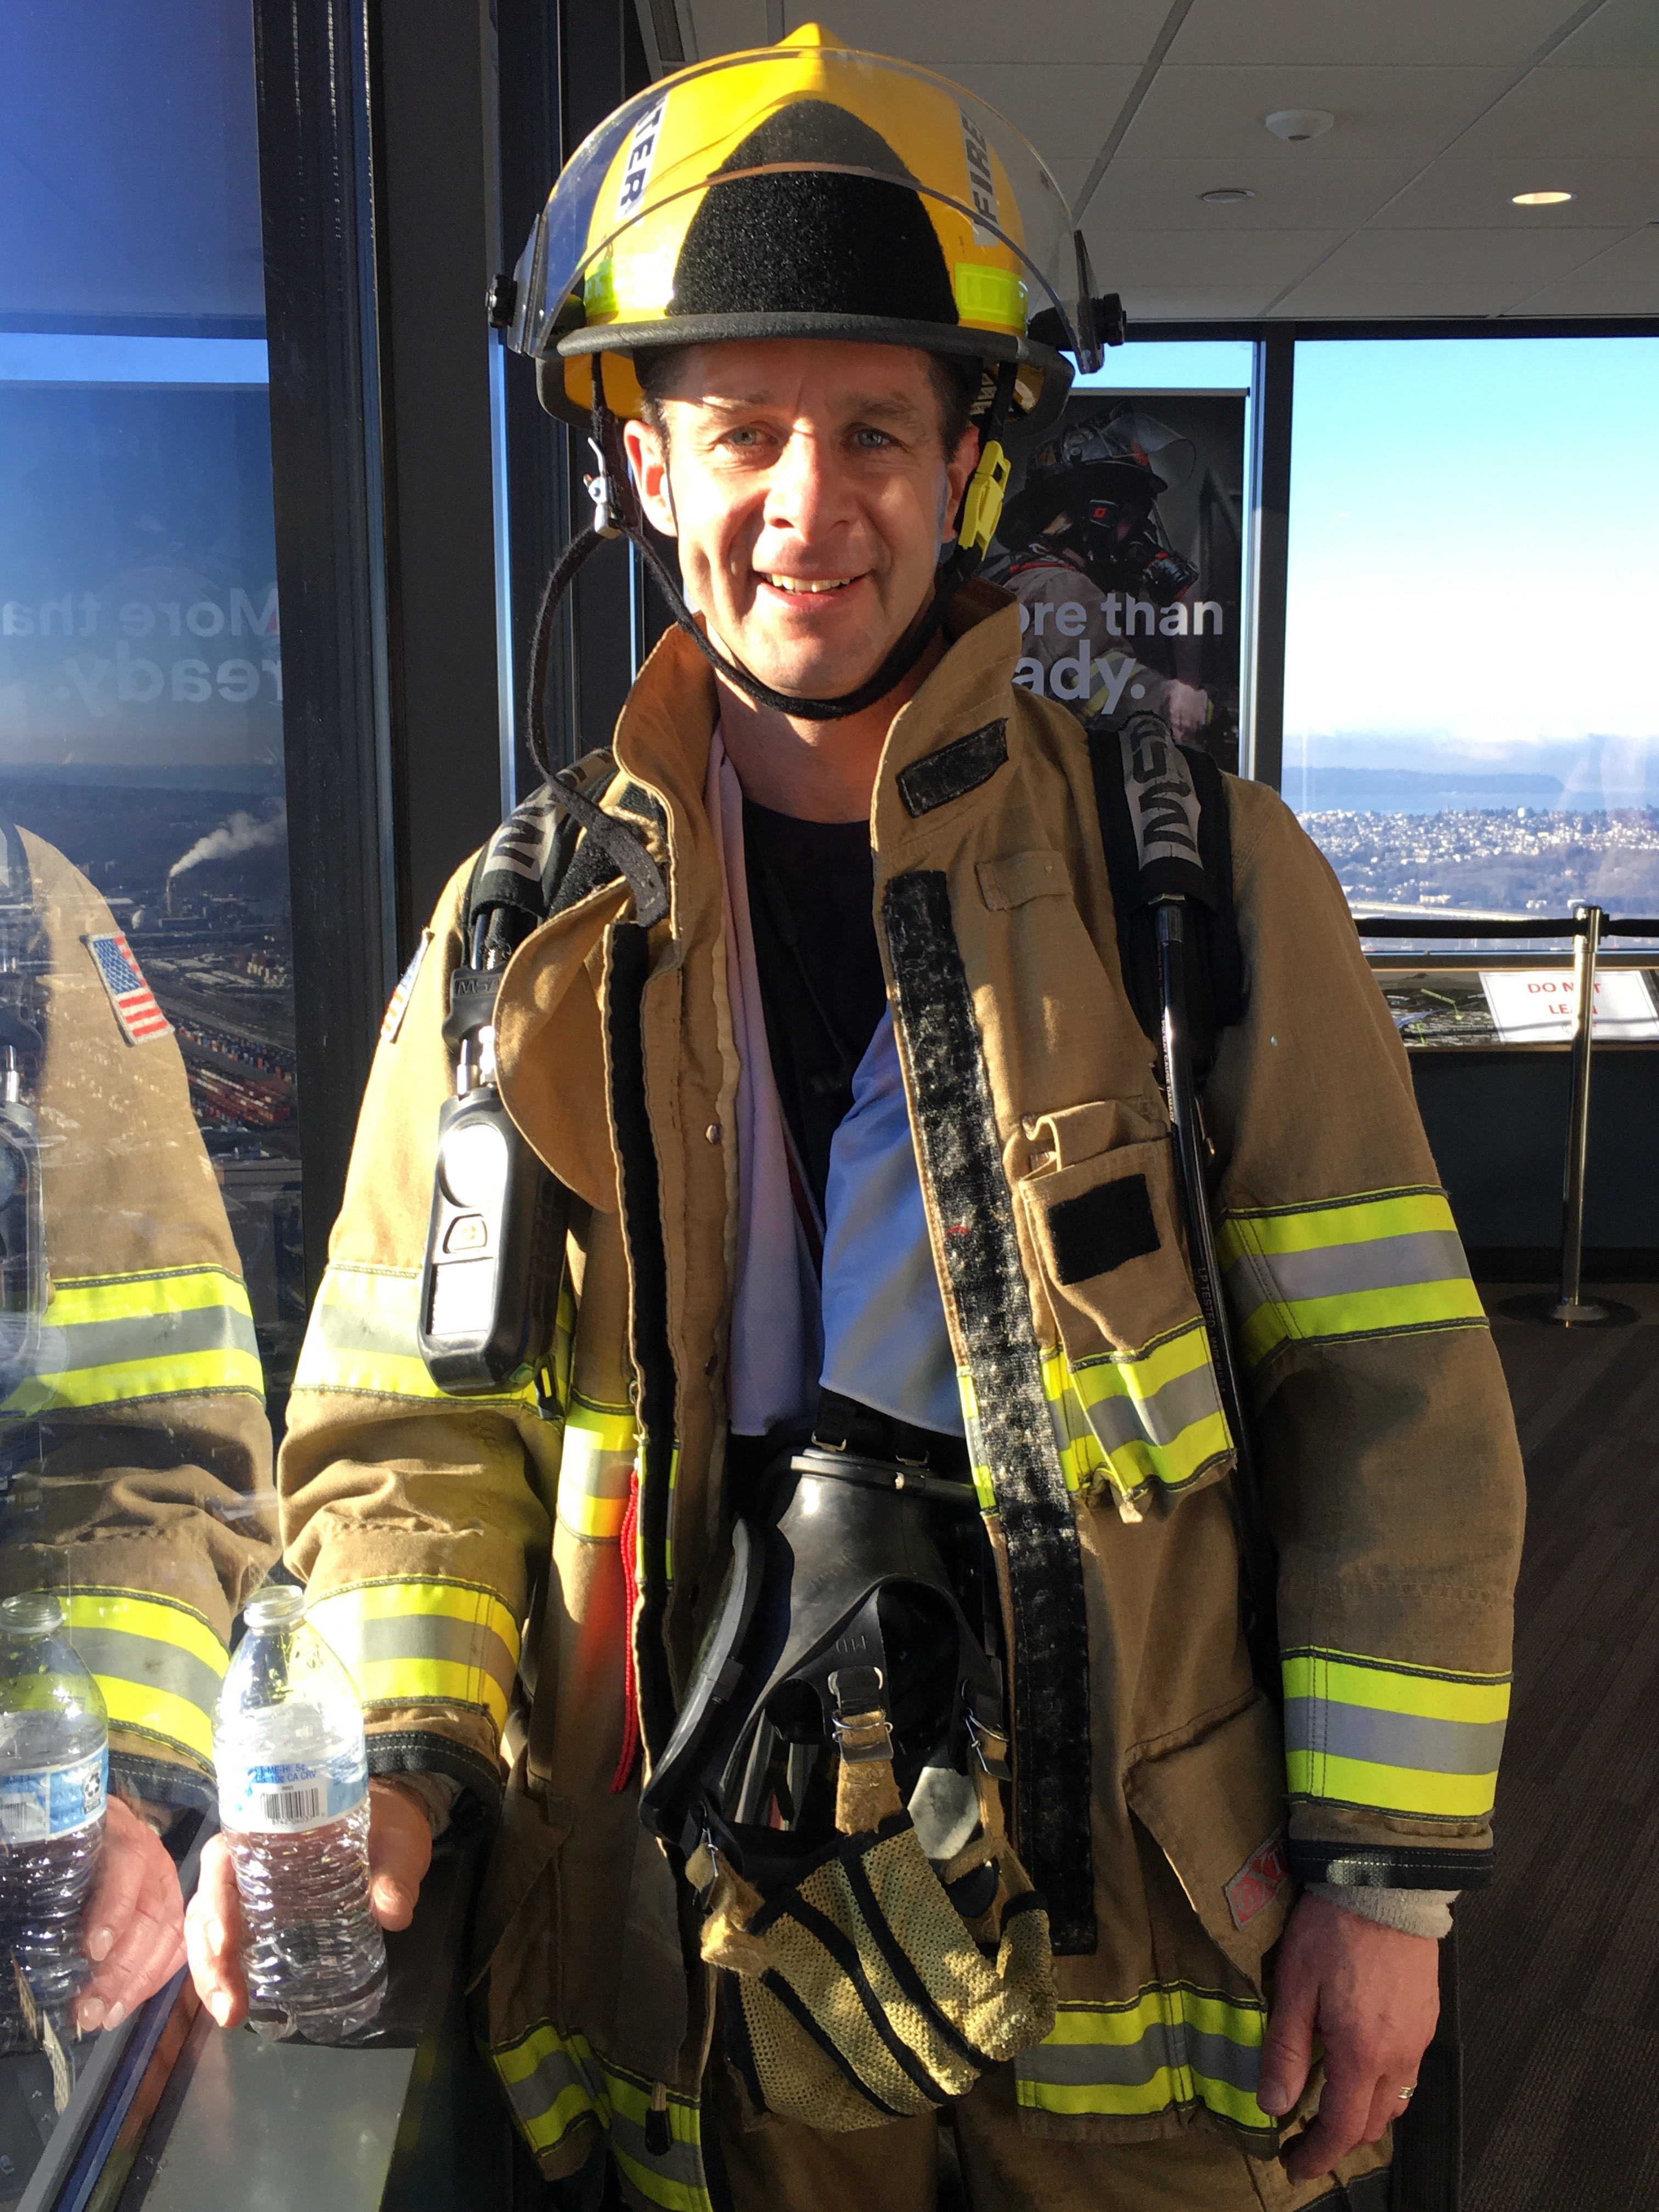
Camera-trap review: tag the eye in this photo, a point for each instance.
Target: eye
(870, 441)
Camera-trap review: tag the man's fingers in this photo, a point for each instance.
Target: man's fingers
(148, 1953)
(213, 1929)
(399, 1852)
(1344, 2109)
(122, 1866)
(1287, 2050)
(1386, 2106)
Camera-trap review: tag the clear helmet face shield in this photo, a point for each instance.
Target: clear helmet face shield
(674, 222)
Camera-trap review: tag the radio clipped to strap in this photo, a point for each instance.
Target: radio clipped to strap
(495, 1237)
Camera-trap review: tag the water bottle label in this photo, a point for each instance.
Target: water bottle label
(286, 1797)
(58, 1801)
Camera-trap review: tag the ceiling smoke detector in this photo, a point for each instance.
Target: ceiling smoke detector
(1226, 196)
(1297, 124)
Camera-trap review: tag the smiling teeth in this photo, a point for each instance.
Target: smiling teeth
(809, 583)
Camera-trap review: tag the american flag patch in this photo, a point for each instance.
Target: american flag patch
(394, 1012)
(134, 1002)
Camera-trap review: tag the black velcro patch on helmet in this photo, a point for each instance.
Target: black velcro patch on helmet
(1092, 1234)
(814, 241)
(954, 770)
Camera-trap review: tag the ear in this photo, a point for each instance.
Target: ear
(649, 464)
(958, 469)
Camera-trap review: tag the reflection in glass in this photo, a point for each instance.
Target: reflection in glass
(148, 1163)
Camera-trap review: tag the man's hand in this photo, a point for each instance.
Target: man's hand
(399, 1853)
(134, 1924)
(1373, 1994)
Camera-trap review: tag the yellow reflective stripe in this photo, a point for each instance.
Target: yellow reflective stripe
(361, 1338)
(173, 1333)
(1372, 1265)
(986, 295)
(553, 2081)
(421, 1642)
(1340, 1221)
(1404, 1739)
(158, 1664)
(596, 1468)
(1174, 2046)
(1153, 1416)
(1351, 1679)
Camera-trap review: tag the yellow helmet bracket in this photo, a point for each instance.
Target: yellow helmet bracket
(982, 505)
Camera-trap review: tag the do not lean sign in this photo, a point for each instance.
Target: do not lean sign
(1539, 1005)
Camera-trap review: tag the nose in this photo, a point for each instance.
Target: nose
(807, 495)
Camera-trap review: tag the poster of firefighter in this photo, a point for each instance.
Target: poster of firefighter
(1121, 538)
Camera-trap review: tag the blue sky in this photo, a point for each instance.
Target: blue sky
(1474, 552)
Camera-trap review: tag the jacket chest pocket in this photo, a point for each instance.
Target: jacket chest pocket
(1130, 1384)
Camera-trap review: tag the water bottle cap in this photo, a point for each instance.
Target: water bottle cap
(35, 1612)
(275, 1607)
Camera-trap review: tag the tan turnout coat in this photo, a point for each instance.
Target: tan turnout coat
(465, 1555)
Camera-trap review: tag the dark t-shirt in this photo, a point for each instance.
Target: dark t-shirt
(811, 888)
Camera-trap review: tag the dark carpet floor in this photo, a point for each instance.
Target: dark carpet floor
(1560, 1956)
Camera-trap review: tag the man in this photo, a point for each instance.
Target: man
(1086, 515)
(135, 1456)
(822, 1119)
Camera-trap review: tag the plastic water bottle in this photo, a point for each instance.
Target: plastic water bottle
(294, 1806)
(54, 1772)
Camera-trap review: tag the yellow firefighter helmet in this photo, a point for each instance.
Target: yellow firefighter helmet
(804, 190)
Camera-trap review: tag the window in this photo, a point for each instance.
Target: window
(1472, 691)
(149, 1221)
(141, 679)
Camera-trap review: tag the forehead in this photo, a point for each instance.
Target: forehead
(804, 375)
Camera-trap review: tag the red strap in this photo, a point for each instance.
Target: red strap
(629, 1540)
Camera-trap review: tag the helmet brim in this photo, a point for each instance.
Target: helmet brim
(964, 341)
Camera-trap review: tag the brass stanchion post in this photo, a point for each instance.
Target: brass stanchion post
(1572, 1308)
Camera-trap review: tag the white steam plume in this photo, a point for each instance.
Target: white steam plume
(242, 833)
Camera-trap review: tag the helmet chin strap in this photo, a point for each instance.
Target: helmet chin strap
(617, 512)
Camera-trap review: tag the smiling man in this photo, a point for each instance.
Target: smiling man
(885, 1744)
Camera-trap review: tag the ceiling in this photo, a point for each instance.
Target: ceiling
(1443, 108)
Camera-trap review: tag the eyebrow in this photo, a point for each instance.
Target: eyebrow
(869, 406)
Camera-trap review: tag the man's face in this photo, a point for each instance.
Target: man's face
(806, 484)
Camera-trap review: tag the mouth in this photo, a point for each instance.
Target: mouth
(808, 586)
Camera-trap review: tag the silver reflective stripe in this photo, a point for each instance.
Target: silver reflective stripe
(538, 2093)
(113, 1343)
(423, 1636)
(1172, 2044)
(680, 2164)
(142, 1659)
(1375, 1263)
(1336, 1730)
(1162, 1417)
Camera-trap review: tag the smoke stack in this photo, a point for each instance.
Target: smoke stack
(166, 899)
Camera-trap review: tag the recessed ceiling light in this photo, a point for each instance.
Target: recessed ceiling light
(1538, 200)
(1226, 196)
(1297, 124)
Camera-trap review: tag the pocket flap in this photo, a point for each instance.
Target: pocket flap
(1131, 1383)
(1217, 1810)
(1018, 877)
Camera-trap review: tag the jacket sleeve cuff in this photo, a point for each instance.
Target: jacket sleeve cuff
(1390, 1866)
(424, 1751)
(168, 1782)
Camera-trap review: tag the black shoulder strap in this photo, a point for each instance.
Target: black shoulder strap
(540, 861)
(1163, 823)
